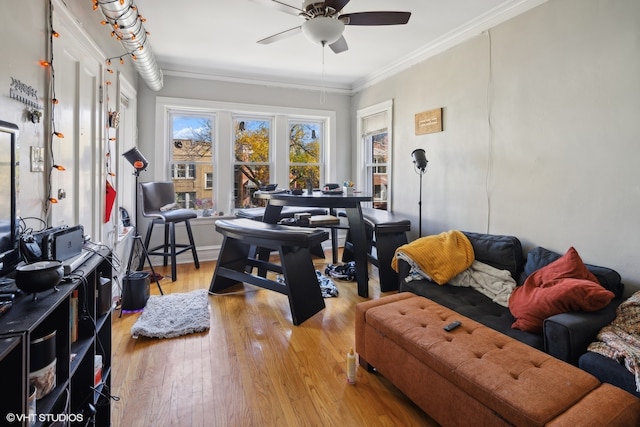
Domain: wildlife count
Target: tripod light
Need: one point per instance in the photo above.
(139, 163)
(420, 165)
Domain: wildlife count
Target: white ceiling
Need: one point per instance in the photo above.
(218, 38)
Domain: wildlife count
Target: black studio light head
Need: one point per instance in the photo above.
(419, 159)
(137, 160)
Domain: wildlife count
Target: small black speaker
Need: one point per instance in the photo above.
(103, 304)
(135, 290)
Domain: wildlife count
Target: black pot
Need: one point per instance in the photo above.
(39, 276)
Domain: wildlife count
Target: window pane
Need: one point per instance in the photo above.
(377, 149)
(252, 140)
(192, 160)
(246, 181)
(380, 148)
(299, 175)
(305, 141)
(252, 154)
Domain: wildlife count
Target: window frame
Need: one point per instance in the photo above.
(222, 114)
(361, 154)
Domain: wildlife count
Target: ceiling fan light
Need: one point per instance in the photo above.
(322, 29)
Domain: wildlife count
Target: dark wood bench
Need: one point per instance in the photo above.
(257, 214)
(385, 233)
(236, 264)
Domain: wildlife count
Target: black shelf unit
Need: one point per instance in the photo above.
(76, 392)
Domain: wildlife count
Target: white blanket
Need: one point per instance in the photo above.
(490, 281)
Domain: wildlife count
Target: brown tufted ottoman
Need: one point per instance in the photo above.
(475, 374)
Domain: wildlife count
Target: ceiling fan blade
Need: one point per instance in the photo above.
(338, 5)
(375, 18)
(281, 6)
(281, 35)
(339, 45)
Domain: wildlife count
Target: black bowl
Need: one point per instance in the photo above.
(268, 187)
(39, 276)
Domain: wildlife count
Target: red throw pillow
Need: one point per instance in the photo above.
(562, 286)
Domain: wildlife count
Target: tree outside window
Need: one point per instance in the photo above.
(304, 154)
(252, 152)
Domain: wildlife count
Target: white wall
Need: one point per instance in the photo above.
(541, 130)
(22, 25)
(24, 29)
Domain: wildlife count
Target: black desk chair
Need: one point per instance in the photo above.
(158, 201)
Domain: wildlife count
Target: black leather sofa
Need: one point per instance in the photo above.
(565, 336)
(608, 371)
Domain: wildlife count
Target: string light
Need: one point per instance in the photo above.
(45, 64)
(119, 33)
(59, 167)
(58, 134)
(53, 200)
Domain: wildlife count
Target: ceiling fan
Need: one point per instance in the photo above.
(324, 24)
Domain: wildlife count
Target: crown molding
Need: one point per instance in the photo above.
(264, 80)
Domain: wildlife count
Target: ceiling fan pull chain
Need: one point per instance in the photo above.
(323, 93)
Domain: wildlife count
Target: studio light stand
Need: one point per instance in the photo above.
(139, 164)
(420, 165)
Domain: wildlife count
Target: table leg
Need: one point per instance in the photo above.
(359, 240)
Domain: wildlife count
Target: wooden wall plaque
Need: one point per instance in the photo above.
(429, 121)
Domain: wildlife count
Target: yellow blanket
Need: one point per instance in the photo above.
(441, 256)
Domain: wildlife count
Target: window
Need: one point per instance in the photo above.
(186, 199)
(252, 151)
(192, 159)
(219, 153)
(374, 125)
(183, 171)
(208, 180)
(305, 153)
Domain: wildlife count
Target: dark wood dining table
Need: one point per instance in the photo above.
(319, 199)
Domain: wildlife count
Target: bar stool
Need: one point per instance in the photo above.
(158, 201)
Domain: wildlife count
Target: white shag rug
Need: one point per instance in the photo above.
(173, 315)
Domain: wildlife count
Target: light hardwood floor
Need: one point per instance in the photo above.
(253, 367)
